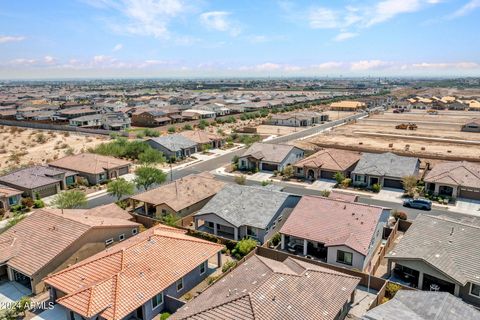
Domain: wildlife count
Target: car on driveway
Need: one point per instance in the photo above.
(423, 204)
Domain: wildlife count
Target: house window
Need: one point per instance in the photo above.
(475, 290)
(121, 237)
(251, 231)
(180, 284)
(203, 267)
(109, 241)
(344, 257)
(157, 300)
(134, 231)
(210, 224)
(164, 211)
(359, 178)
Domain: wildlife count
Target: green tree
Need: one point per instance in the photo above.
(148, 176)
(22, 305)
(151, 156)
(288, 172)
(70, 199)
(410, 185)
(339, 177)
(203, 124)
(243, 247)
(187, 127)
(120, 188)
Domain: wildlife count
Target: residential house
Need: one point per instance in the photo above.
(204, 138)
(179, 198)
(385, 169)
(298, 119)
(269, 157)
(338, 195)
(325, 163)
(152, 117)
(93, 167)
(174, 146)
(71, 113)
(262, 288)
(218, 108)
(49, 240)
(9, 197)
(138, 278)
(339, 232)
(237, 212)
(472, 125)
(193, 114)
(423, 305)
(459, 179)
(439, 253)
(347, 106)
(39, 180)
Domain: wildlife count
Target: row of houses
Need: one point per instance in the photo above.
(454, 179)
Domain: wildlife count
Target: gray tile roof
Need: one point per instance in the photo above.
(423, 305)
(268, 151)
(386, 164)
(34, 177)
(262, 288)
(242, 205)
(174, 142)
(449, 245)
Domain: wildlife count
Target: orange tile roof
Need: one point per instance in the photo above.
(33, 242)
(115, 282)
(89, 163)
(8, 192)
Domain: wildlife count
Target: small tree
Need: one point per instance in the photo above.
(339, 177)
(288, 172)
(325, 193)
(70, 199)
(410, 185)
(243, 247)
(147, 176)
(120, 188)
(27, 202)
(151, 156)
(23, 305)
(203, 124)
(187, 127)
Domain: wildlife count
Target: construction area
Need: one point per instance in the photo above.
(416, 133)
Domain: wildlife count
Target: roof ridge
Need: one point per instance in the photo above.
(448, 219)
(115, 291)
(191, 238)
(345, 201)
(245, 295)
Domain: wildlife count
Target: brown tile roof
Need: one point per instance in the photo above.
(268, 151)
(183, 192)
(334, 222)
(115, 282)
(330, 159)
(33, 242)
(200, 137)
(262, 288)
(89, 163)
(350, 197)
(459, 173)
(8, 192)
(106, 211)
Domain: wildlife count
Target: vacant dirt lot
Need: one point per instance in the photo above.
(437, 135)
(20, 146)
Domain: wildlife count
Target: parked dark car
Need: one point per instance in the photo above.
(423, 204)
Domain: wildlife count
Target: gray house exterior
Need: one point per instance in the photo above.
(440, 254)
(269, 157)
(238, 212)
(174, 145)
(385, 169)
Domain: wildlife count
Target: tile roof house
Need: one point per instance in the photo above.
(174, 145)
(422, 305)
(9, 197)
(298, 119)
(180, 198)
(339, 232)
(239, 211)
(459, 179)
(48, 240)
(41, 180)
(93, 167)
(204, 138)
(325, 163)
(269, 156)
(347, 105)
(386, 169)
(261, 288)
(440, 253)
(140, 277)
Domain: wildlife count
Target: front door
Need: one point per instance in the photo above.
(373, 181)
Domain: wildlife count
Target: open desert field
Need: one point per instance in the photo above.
(21, 146)
(437, 136)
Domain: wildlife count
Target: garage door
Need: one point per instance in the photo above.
(392, 183)
(269, 167)
(469, 193)
(48, 191)
(327, 174)
(123, 171)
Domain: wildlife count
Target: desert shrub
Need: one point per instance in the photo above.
(240, 179)
(392, 289)
(346, 183)
(376, 187)
(164, 316)
(243, 247)
(40, 138)
(171, 130)
(211, 279)
(27, 202)
(325, 193)
(228, 265)
(187, 127)
(339, 177)
(399, 215)
(276, 239)
(38, 204)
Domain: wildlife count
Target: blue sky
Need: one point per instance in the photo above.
(201, 38)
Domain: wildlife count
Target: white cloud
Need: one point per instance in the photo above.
(5, 39)
(267, 66)
(49, 60)
(100, 59)
(387, 9)
(466, 9)
(365, 65)
(117, 47)
(323, 18)
(329, 65)
(345, 36)
(220, 21)
(446, 65)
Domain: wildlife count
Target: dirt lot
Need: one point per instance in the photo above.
(20, 146)
(439, 92)
(378, 132)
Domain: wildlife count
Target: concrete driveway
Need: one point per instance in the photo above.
(12, 291)
(260, 176)
(388, 194)
(57, 313)
(467, 206)
(322, 184)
